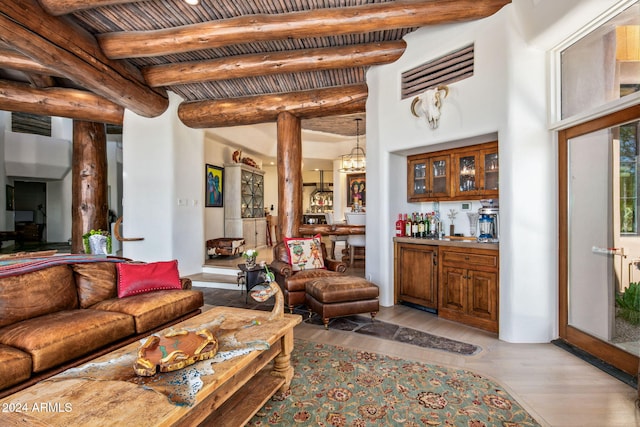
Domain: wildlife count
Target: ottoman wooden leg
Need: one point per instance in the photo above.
(373, 315)
(325, 320)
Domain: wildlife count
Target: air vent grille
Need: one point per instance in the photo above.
(445, 70)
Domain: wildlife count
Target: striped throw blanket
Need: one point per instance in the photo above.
(14, 267)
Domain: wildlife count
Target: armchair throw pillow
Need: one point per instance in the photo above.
(305, 253)
(134, 279)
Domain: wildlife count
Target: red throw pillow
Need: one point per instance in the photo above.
(134, 279)
(305, 253)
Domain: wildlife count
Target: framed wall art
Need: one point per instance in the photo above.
(213, 188)
(357, 189)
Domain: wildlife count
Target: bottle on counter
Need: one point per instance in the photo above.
(399, 226)
(425, 233)
(407, 225)
(421, 226)
(414, 225)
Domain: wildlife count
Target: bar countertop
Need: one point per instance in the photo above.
(447, 242)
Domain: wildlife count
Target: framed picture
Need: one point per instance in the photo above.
(357, 189)
(213, 187)
(10, 197)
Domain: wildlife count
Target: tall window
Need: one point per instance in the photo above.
(602, 66)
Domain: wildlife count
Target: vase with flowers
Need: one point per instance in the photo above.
(250, 256)
(97, 242)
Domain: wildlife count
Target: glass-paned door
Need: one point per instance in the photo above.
(440, 175)
(418, 177)
(600, 283)
(467, 178)
(491, 172)
(246, 194)
(258, 196)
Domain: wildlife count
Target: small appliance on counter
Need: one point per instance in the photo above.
(488, 221)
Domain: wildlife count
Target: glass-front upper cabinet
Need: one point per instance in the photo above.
(439, 174)
(466, 174)
(477, 171)
(417, 179)
(429, 177)
(490, 172)
(251, 194)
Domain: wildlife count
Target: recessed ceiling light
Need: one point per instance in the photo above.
(192, 2)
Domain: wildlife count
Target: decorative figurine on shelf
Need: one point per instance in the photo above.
(237, 155)
(250, 256)
(452, 216)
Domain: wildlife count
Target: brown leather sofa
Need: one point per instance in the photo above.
(60, 316)
(292, 283)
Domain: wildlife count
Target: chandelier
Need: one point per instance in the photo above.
(356, 160)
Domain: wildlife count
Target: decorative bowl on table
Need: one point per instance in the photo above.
(173, 351)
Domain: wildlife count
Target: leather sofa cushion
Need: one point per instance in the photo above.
(37, 293)
(15, 366)
(96, 281)
(154, 308)
(297, 281)
(59, 337)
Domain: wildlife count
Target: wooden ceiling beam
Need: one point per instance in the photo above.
(70, 103)
(58, 44)
(250, 110)
(261, 64)
(63, 7)
(297, 25)
(41, 81)
(15, 60)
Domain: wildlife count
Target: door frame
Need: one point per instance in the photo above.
(605, 351)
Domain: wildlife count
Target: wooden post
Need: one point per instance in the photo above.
(89, 181)
(289, 154)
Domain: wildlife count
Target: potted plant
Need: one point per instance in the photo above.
(250, 256)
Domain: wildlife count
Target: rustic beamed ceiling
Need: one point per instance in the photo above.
(234, 62)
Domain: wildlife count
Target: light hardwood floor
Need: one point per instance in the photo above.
(556, 387)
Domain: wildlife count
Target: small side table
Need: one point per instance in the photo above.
(251, 277)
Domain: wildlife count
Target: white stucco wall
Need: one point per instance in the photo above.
(163, 189)
(509, 95)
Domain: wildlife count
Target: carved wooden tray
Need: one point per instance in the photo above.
(174, 351)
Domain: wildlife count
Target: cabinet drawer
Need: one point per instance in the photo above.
(469, 259)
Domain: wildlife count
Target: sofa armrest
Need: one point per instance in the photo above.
(281, 268)
(185, 282)
(335, 265)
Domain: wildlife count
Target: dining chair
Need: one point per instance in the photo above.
(330, 219)
(355, 240)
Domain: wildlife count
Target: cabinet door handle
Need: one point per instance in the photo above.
(466, 258)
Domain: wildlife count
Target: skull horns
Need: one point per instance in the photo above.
(429, 103)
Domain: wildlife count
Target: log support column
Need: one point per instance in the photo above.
(89, 204)
(289, 154)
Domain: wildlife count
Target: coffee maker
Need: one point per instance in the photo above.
(488, 221)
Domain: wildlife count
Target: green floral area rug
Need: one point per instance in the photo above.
(336, 386)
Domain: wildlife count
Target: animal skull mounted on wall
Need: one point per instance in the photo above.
(429, 103)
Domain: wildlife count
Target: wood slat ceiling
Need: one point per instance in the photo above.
(217, 55)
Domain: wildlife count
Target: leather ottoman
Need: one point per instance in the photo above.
(341, 296)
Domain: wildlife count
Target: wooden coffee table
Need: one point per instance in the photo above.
(229, 396)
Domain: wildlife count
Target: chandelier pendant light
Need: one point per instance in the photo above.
(355, 161)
